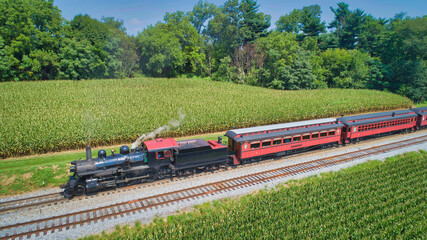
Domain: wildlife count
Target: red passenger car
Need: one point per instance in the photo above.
(280, 139)
(374, 124)
(422, 116)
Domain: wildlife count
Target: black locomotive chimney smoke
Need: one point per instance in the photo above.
(88, 153)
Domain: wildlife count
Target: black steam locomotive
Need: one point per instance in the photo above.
(154, 159)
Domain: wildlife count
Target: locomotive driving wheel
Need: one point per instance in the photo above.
(80, 190)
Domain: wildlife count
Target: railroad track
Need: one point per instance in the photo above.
(30, 201)
(57, 198)
(67, 221)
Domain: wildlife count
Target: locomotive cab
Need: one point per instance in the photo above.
(160, 155)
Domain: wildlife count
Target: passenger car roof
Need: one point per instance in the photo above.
(233, 133)
(420, 110)
(280, 134)
(369, 116)
(375, 120)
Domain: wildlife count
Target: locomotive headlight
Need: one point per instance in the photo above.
(72, 168)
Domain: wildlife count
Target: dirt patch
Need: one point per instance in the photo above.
(55, 168)
(8, 181)
(60, 176)
(27, 176)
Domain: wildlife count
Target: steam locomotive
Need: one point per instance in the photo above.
(167, 157)
(152, 160)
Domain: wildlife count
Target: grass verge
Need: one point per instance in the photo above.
(372, 200)
(423, 104)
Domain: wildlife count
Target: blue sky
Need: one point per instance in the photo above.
(137, 14)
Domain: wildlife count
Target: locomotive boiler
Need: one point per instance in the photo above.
(106, 171)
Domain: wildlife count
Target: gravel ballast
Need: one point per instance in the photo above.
(149, 214)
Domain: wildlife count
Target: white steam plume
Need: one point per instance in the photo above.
(172, 123)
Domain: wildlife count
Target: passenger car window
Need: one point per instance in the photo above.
(255, 145)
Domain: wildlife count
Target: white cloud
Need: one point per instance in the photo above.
(135, 22)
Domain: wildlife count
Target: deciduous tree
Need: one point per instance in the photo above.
(304, 22)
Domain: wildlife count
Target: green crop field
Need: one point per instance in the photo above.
(48, 116)
(374, 200)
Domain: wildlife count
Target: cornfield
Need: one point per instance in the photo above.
(40, 117)
(375, 201)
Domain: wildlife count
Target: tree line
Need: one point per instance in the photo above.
(232, 42)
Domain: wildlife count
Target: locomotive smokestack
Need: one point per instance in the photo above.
(88, 153)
